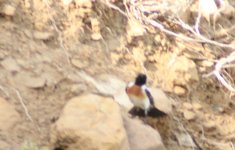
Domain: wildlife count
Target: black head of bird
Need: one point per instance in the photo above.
(140, 79)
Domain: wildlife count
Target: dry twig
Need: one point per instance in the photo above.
(23, 105)
(60, 37)
(133, 8)
(219, 66)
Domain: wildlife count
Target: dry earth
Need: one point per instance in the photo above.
(46, 47)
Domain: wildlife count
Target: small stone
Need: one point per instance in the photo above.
(218, 108)
(10, 64)
(78, 88)
(157, 39)
(8, 10)
(197, 106)
(95, 25)
(189, 115)
(179, 90)
(27, 79)
(42, 35)
(185, 139)
(96, 36)
(66, 2)
(135, 28)
(187, 106)
(27, 4)
(209, 125)
(206, 63)
(79, 64)
(202, 69)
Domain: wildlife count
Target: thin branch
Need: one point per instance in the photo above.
(59, 32)
(23, 105)
(25, 108)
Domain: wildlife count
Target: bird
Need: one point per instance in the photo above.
(141, 97)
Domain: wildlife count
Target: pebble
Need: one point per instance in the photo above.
(8, 10)
(188, 106)
(206, 63)
(96, 36)
(197, 106)
(179, 90)
(42, 35)
(79, 64)
(189, 115)
(66, 2)
(209, 125)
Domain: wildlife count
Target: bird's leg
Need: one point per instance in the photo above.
(146, 112)
(145, 115)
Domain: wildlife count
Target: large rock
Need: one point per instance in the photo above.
(89, 122)
(110, 85)
(161, 100)
(141, 136)
(9, 116)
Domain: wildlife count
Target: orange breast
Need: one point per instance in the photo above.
(136, 91)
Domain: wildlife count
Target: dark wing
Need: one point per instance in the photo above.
(150, 97)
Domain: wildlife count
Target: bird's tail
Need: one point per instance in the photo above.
(152, 112)
(155, 112)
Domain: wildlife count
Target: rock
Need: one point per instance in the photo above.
(141, 136)
(135, 28)
(95, 27)
(179, 90)
(10, 64)
(79, 64)
(90, 122)
(209, 125)
(202, 69)
(217, 108)
(110, 85)
(8, 10)
(197, 106)
(78, 88)
(30, 80)
(66, 2)
(189, 115)
(9, 116)
(42, 35)
(187, 106)
(157, 39)
(96, 36)
(161, 100)
(206, 63)
(184, 139)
